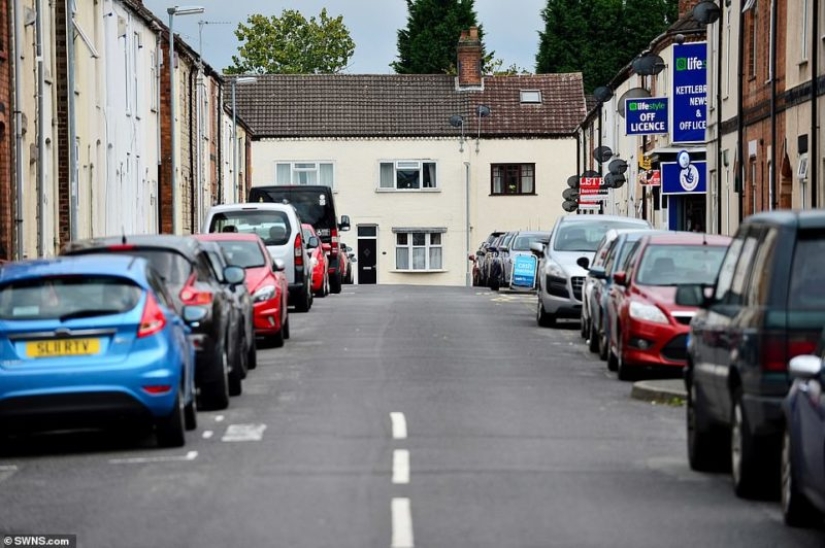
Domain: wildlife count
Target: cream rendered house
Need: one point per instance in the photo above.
(425, 166)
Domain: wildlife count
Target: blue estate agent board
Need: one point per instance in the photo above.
(690, 92)
(524, 271)
(646, 116)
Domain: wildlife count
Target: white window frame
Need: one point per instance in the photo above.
(297, 167)
(428, 246)
(803, 52)
(407, 165)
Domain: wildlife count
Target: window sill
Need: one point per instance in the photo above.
(524, 194)
(407, 190)
(802, 64)
(418, 271)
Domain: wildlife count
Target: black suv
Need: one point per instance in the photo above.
(767, 306)
(188, 273)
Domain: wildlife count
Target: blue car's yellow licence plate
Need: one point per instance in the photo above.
(62, 347)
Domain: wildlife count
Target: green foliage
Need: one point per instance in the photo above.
(428, 44)
(291, 44)
(599, 37)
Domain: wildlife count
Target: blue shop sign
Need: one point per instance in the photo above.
(684, 176)
(524, 271)
(690, 92)
(647, 116)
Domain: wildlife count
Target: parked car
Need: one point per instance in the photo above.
(244, 351)
(91, 341)
(496, 261)
(594, 268)
(265, 281)
(766, 307)
(802, 461)
(351, 260)
(188, 273)
(480, 258)
(560, 278)
(647, 329)
(344, 262)
(279, 226)
(318, 261)
(315, 205)
(520, 246)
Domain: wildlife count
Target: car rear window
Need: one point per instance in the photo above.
(314, 206)
(245, 254)
(67, 297)
(680, 264)
(586, 236)
(173, 267)
(808, 271)
(271, 226)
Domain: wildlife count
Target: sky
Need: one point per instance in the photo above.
(510, 27)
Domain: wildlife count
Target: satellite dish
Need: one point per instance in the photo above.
(483, 110)
(632, 93)
(602, 154)
(591, 173)
(617, 166)
(570, 206)
(456, 120)
(607, 181)
(706, 12)
(648, 65)
(602, 94)
(570, 194)
(573, 181)
(614, 180)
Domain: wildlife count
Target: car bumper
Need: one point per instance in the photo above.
(267, 317)
(562, 296)
(648, 344)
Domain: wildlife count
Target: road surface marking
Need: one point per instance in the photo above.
(401, 466)
(191, 455)
(244, 432)
(399, 425)
(219, 418)
(208, 434)
(402, 531)
(7, 471)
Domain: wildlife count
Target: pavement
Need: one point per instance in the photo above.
(660, 391)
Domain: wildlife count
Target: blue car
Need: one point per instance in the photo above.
(94, 341)
(803, 443)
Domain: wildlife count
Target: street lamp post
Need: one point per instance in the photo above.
(173, 11)
(241, 80)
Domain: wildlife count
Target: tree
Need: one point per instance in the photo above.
(599, 37)
(428, 44)
(290, 44)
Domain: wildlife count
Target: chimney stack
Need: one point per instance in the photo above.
(469, 58)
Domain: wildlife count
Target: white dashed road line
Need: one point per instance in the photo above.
(401, 466)
(7, 471)
(208, 434)
(244, 432)
(399, 425)
(191, 455)
(402, 532)
(219, 418)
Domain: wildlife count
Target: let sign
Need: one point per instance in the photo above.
(590, 190)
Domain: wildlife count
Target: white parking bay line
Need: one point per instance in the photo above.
(191, 455)
(401, 466)
(244, 432)
(399, 425)
(7, 471)
(402, 531)
(207, 434)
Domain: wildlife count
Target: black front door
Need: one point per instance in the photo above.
(367, 255)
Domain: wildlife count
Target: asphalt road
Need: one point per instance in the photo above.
(400, 416)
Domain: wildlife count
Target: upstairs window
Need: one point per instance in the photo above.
(305, 173)
(510, 179)
(408, 175)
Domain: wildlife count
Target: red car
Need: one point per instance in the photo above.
(265, 281)
(319, 262)
(647, 328)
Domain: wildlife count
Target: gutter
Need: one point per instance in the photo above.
(17, 13)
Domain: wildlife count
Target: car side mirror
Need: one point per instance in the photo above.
(597, 273)
(696, 295)
(353, 260)
(620, 278)
(278, 265)
(326, 247)
(537, 249)
(344, 224)
(313, 242)
(583, 262)
(504, 248)
(805, 367)
(234, 275)
(193, 315)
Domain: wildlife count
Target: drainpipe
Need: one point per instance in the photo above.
(219, 107)
(719, 125)
(601, 168)
(41, 122)
(740, 121)
(813, 150)
(18, 130)
(193, 79)
(158, 60)
(72, 128)
(772, 186)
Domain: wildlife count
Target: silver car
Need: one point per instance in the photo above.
(561, 274)
(520, 245)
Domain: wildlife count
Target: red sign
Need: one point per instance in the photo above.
(655, 178)
(590, 190)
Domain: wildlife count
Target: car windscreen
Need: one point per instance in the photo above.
(522, 243)
(314, 206)
(67, 297)
(272, 226)
(680, 264)
(581, 236)
(807, 271)
(173, 267)
(245, 254)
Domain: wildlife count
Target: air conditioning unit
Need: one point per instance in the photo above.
(802, 168)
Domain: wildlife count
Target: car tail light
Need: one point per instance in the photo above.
(153, 319)
(334, 233)
(299, 252)
(121, 247)
(192, 296)
(157, 389)
(777, 350)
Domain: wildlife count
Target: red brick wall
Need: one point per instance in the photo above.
(469, 58)
(165, 177)
(7, 202)
(62, 134)
(213, 121)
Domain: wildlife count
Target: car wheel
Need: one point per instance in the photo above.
(495, 285)
(215, 395)
(593, 343)
(252, 354)
(302, 300)
(796, 509)
(277, 340)
(706, 450)
(584, 327)
(285, 328)
(622, 371)
(190, 415)
(169, 429)
(542, 317)
(746, 463)
(236, 381)
(335, 283)
(603, 347)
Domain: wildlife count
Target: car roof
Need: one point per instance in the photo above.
(115, 265)
(252, 206)
(601, 218)
(183, 245)
(687, 238)
(808, 218)
(226, 236)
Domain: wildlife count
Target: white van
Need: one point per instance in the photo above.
(279, 226)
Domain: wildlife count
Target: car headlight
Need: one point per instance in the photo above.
(263, 294)
(647, 313)
(552, 268)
